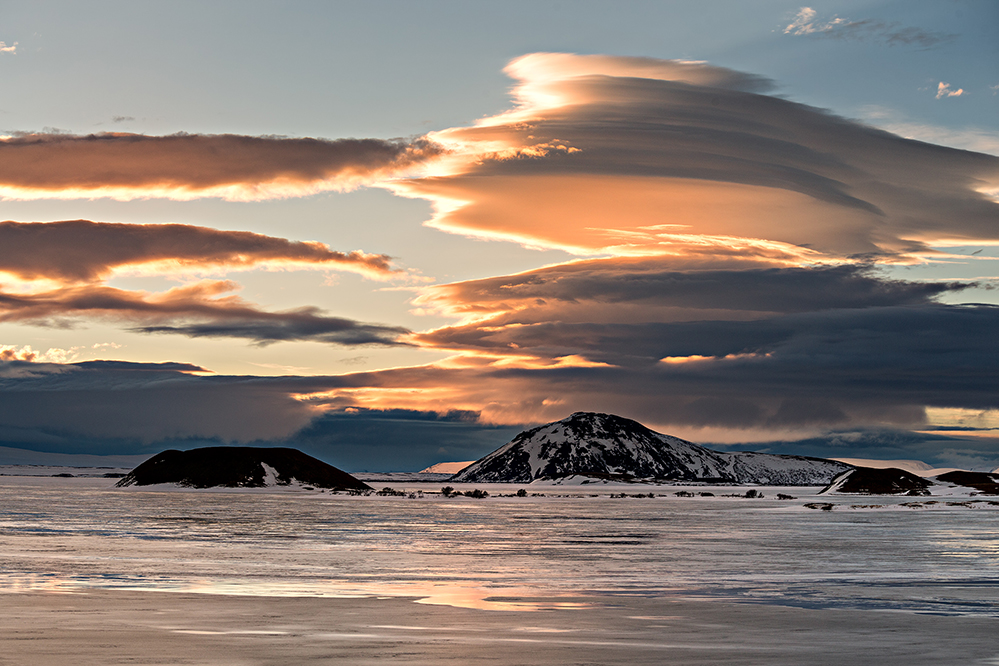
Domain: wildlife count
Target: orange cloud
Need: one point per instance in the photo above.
(631, 156)
(944, 90)
(188, 166)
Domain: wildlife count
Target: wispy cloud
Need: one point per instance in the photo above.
(944, 90)
(57, 276)
(967, 138)
(188, 166)
(8, 49)
(806, 22)
(208, 308)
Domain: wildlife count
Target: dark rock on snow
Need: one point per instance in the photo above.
(239, 467)
(983, 482)
(870, 481)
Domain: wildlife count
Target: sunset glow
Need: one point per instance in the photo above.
(709, 242)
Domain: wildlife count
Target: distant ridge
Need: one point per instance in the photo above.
(239, 467)
(446, 467)
(612, 447)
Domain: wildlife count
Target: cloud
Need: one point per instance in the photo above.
(123, 407)
(119, 407)
(8, 49)
(814, 371)
(85, 251)
(77, 257)
(187, 166)
(667, 289)
(52, 355)
(204, 309)
(806, 23)
(976, 453)
(944, 90)
(369, 440)
(671, 156)
(968, 138)
(728, 289)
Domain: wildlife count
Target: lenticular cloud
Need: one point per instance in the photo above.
(636, 156)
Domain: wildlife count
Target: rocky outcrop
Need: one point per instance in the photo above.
(870, 481)
(983, 482)
(239, 467)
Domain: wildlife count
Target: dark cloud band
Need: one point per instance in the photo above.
(203, 309)
(81, 250)
(116, 163)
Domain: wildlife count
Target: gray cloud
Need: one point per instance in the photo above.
(123, 408)
(299, 325)
(81, 250)
(674, 283)
(203, 309)
(890, 33)
(195, 164)
(128, 405)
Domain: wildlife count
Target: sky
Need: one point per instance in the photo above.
(392, 234)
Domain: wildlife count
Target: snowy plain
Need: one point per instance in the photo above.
(569, 574)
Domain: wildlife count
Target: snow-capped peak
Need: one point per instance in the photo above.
(609, 446)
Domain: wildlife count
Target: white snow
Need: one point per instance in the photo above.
(917, 467)
(270, 475)
(446, 467)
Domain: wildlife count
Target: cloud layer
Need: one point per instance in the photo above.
(204, 309)
(729, 286)
(629, 156)
(58, 274)
(85, 251)
(187, 166)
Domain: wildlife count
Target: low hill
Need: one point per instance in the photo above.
(871, 481)
(612, 447)
(239, 467)
(983, 482)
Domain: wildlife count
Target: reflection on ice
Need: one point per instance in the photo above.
(459, 595)
(511, 555)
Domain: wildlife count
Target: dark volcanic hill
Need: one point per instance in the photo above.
(239, 467)
(983, 482)
(870, 481)
(608, 446)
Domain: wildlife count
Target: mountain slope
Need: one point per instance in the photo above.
(604, 445)
(239, 467)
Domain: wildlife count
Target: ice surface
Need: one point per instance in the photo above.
(776, 579)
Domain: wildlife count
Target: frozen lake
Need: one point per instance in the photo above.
(565, 559)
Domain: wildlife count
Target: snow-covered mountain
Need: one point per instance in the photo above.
(604, 445)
